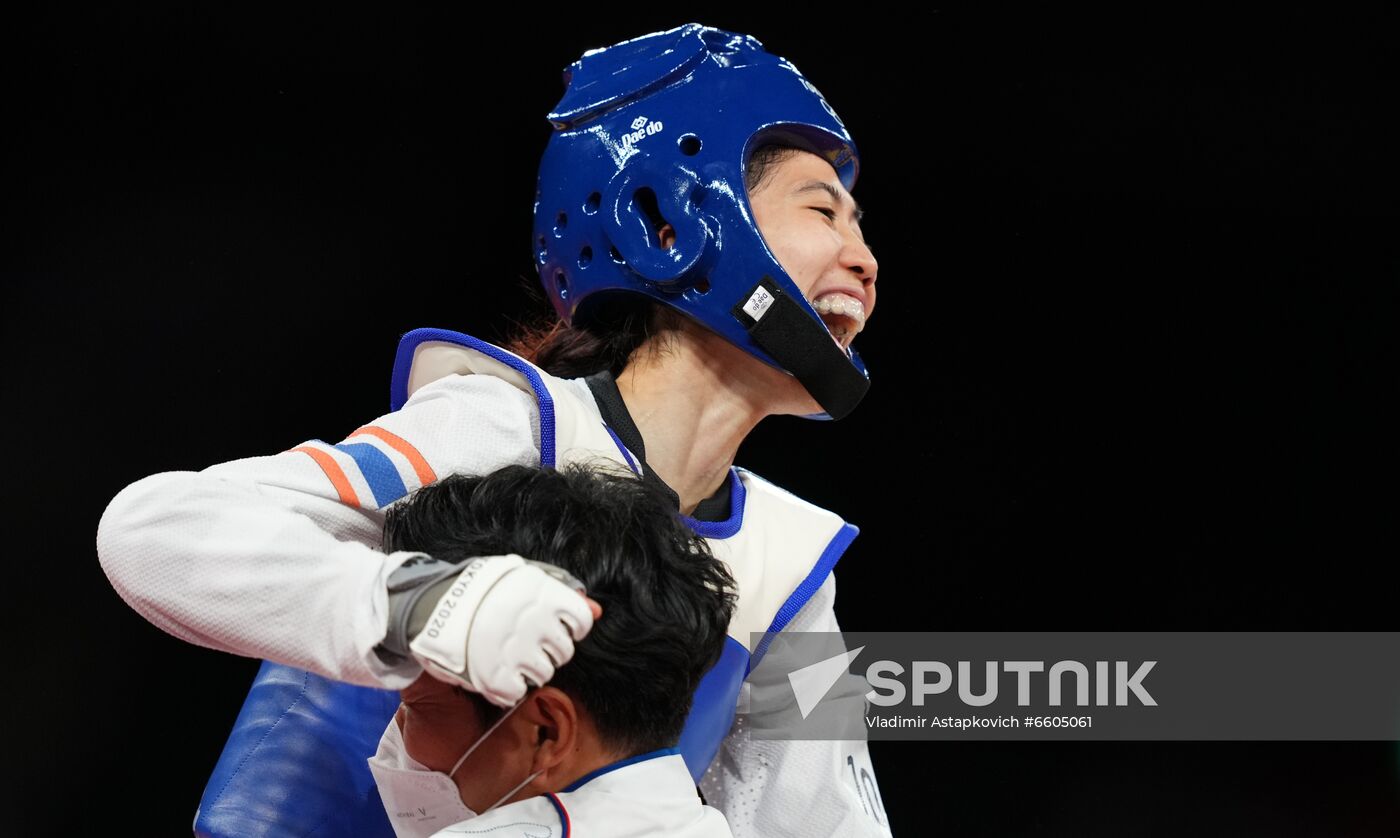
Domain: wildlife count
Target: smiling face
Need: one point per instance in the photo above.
(812, 226)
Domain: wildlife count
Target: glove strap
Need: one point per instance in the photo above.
(408, 584)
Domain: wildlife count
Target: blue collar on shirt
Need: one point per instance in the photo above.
(622, 763)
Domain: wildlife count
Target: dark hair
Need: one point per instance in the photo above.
(605, 340)
(666, 600)
(616, 326)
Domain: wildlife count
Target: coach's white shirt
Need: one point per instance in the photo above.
(647, 795)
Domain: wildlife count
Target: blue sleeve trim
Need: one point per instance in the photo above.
(379, 472)
(403, 362)
(622, 763)
(807, 588)
(724, 529)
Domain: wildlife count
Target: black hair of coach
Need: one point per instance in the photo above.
(1132, 370)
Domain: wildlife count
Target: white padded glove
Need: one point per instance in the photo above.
(503, 625)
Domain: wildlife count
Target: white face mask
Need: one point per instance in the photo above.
(419, 800)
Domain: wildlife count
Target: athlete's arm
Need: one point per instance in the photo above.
(807, 788)
(275, 557)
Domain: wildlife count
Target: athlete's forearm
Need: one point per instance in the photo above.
(214, 561)
(276, 557)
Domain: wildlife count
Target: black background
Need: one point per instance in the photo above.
(1133, 356)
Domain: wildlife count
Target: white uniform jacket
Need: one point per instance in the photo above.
(276, 557)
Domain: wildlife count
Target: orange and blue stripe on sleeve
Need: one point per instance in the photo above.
(381, 467)
(383, 479)
(333, 472)
(421, 469)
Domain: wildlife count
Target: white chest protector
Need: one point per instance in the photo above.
(778, 547)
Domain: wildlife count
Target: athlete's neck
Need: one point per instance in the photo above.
(694, 401)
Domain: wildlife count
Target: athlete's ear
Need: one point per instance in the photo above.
(555, 719)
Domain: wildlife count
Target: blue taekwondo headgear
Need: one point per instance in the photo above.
(663, 125)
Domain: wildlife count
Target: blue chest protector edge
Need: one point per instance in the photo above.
(295, 762)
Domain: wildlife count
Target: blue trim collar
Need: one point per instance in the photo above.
(403, 364)
(622, 763)
(724, 529)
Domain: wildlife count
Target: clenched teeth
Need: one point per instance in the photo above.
(844, 316)
(837, 303)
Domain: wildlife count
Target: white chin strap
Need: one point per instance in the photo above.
(482, 738)
(523, 783)
(508, 795)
